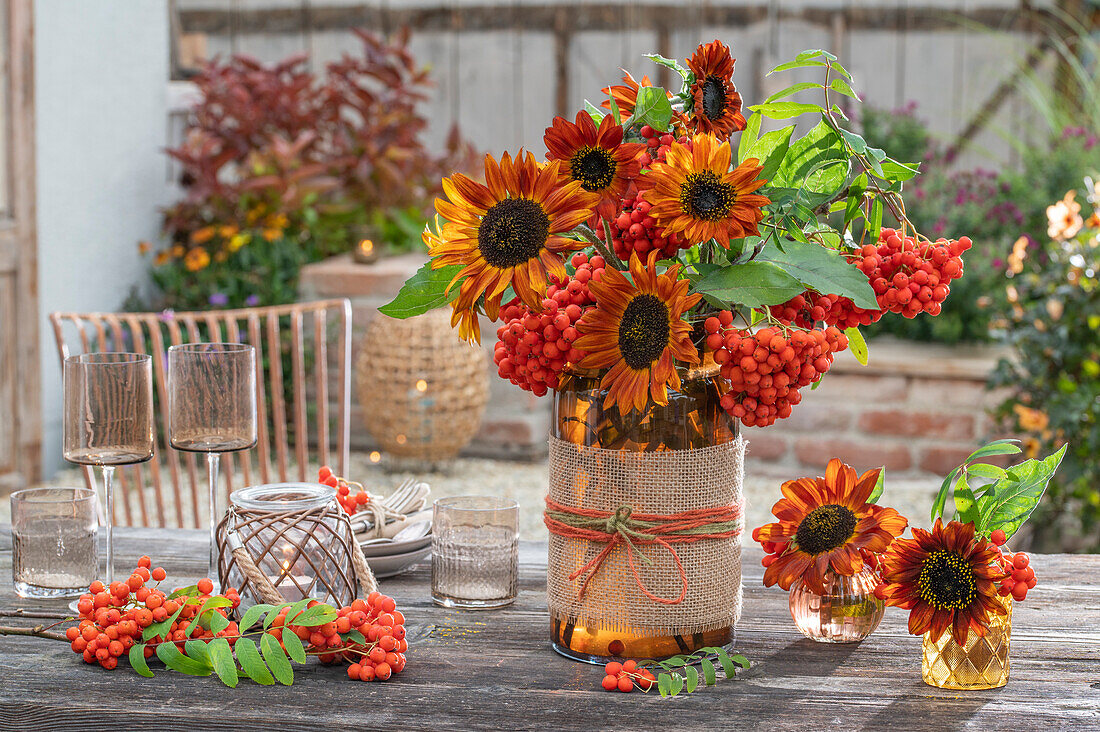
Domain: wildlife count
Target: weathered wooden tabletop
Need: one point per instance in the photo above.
(495, 669)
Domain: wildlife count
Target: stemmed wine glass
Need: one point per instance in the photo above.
(108, 419)
(212, 408)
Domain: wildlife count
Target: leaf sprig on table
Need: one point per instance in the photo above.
(673, 675)
(1006, 501)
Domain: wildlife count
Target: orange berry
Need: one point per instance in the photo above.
(96, 587)
(610, 683)
(159, 574)
(353, 672)
(625, 684)
(630, 665)
(205, 586)
(377, 654)
(613, 668)
(145, 561)
(366, 672)
(382, 670)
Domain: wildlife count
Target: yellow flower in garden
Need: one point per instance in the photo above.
(178, 250)
(1064, 217)
(507, 232)
(162, 258)
(278, 221)
(1031, 448)
(227, 231)
(271, 234)
(638, 333)
(238, 241)
(1030, 419)
(144, 247)
(695, 193)
(203, 235)
(196, 259)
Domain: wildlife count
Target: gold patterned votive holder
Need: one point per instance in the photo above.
(980, 664)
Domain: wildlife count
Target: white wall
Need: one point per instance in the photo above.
(101, 72)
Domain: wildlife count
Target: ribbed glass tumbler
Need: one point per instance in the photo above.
(980, 664)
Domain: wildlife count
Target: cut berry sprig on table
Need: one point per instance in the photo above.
(673, 675)
(350, 502)
(191, 632)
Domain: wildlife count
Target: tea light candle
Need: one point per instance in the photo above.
(366, 252)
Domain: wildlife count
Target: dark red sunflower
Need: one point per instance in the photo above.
(824, 523)
(716, 104)
(595, 157)
(947, 579)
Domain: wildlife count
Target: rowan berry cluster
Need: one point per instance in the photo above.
(634, 230)
(625, 676)
(350, 502)
(532, 348)
(810, 308)
(1021, 575)
(766, 368)
(911, 277)
(112, 619)
(658, 144)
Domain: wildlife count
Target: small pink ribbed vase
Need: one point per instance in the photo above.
(847, 613)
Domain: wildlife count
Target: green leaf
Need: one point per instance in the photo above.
(354, 636)
(844, 88)
(740, 660)
(316, 615)
(1008, 505)
(596, 113)
(874, 224)
(188, 591)
(966, 505)
(709, 675)
(175, 660)
(748, 137)
(880, 485)
(162, 627)
(793, 89)
(218, 622)
(692, 680)
(616, 115)
(664, 684)
(941, 496)
(795, 65)
(727, 664)
(857, 143)
(203, 615)
(814, 53)
(652, 108)
(754, 284)
(785, 110)
(856, 344)
(196, 649)
(770, 150)
(252, 614)
(296, 650)
(137, 660)
(668, 63)
(426, 290)
(985, 470)
(292, 613)
(221, 655)
(251, 663)
(276, 659)
(823, 270)
(677, 684)
(1006, 446)
(894, 171)
(812, 161)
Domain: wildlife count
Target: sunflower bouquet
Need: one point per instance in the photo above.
(667, 228)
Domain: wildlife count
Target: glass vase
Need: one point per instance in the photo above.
(982, 663)
(848, 612)
(693, 418)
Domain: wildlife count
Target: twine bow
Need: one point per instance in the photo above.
(624, 526)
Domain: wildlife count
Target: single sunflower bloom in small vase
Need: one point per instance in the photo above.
(824, 524)
(506, 232)
(694, 192)
(716, 104)
(947, 579)
(638, 333)
(595, 157)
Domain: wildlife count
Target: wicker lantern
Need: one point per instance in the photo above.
(421, 388)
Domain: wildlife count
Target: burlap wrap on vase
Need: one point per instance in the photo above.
(660, 482)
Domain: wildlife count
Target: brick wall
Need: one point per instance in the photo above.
(918, 409)
(915, 408)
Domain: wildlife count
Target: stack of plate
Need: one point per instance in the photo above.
(407, 536)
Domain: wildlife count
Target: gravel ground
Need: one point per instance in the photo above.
(525, 482)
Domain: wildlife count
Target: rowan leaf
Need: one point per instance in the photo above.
(294, 647)
(221, 655)
(276, 659)
(137, 660)
(175, 660)
(251, 663)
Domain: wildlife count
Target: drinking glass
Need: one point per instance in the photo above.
(475, 551)
(108, 419)
(212, 409)
(53, 531)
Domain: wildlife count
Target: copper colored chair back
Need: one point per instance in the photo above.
(303, 398)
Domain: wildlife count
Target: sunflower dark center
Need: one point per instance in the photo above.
(594, 167)
(703, 195)
(714, 98)
(512, 232)
(643, 331)
(947, 581)
(825, 528)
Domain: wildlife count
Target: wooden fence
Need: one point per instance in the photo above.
(504, 68)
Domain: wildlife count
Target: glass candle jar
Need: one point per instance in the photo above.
(298, 538)
(848, 612)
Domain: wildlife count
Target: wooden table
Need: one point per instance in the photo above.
(495, 669)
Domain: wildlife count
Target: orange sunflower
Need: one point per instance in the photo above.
(696, 194)
(506, 232)
(597, 158)
(824, 523)
(716, 104)
(626, 94)
(638, 333)
(946, 578)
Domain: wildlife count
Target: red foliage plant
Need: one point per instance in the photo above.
(274, 139)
